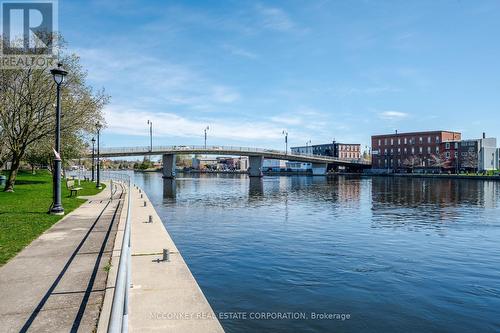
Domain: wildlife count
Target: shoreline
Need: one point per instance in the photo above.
(160, 289)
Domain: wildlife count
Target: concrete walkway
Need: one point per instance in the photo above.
(57, 283)
(165, 296)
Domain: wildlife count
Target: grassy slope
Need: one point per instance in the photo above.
(23, 213)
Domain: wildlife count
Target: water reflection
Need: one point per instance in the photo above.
(169, 188)
(428, 203)
(255, 188)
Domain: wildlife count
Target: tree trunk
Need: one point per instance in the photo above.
(16, 162)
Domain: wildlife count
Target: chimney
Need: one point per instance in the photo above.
(396, 131)
(484, 135)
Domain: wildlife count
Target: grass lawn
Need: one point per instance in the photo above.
(23, 213)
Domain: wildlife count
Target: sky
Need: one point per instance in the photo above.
(322, 70)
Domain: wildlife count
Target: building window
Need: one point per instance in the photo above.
(406, 150)
(447, 154)
(456, 154)
(385, 151)
(392, 150)
(428, 149)
(428, 139)
(399, 141)
(412, 150)
(379, 142)
(420, 149)
(437, 150)
(406, 141)
(447, 145)
(420, 139)
(437, 139)
(392, 142)
(399, 150)
(456, 145)
(385, 141)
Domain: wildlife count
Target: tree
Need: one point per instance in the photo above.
(27, 114)
(412, 161)
(440, 161)
(470, 161)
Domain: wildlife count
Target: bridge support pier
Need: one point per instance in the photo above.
(319, 169)
(169, 166)
(255, 166)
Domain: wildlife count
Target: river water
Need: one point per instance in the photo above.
(371, 254)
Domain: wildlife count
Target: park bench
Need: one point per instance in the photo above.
(70, 184)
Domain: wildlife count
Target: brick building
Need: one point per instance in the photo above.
(414, 151)
(334, 149)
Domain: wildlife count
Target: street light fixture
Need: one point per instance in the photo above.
(98, 127)
(206, 129)
(307, 147)
(57, 209)
(285, 133)
(93, 158)
(150, 123)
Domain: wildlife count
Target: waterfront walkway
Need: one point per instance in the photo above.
(165, 297)
(57, 283)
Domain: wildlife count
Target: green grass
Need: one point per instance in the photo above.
(23, 213)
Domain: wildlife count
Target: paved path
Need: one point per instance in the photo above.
(57, 283)
(165, 296)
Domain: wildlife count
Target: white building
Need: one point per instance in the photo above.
(298, 166)
(273, 165)
(488, 154)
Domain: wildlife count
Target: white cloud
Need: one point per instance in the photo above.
(274, 18)
(237, 51)
(392, 115)
(131, 121)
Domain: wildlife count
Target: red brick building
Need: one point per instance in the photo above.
(414, 151)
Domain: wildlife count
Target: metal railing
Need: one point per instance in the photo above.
(118, 320)
(224, 149)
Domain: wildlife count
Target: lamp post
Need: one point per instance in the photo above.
(285, 133)
(98, 127)
(93, 158)
(150, 123)
(57, 209)
(307, 147)
(206, 129)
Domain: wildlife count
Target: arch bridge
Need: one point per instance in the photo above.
(256, 157)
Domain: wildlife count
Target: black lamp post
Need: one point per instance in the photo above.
(206, 129)
(150, 123)
(98, 127)
(285, 133)
(93, 158)
(57, 209)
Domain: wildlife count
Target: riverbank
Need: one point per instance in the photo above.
(24, 212)
(424, 175)
(165, 296)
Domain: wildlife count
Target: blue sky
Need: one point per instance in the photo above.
(323, 70)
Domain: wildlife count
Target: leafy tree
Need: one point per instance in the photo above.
(412, 161)
(27, 114)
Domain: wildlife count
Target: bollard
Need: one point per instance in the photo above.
(140, 191)
(166, 255)
(150, 219)
(145, 203)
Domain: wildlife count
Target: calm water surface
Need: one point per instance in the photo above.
(413, 255)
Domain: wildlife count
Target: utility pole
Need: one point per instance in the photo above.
(206, 129)
(285, 133)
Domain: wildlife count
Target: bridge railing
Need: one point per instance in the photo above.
(215, 149)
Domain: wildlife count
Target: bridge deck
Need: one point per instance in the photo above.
(228, 150)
